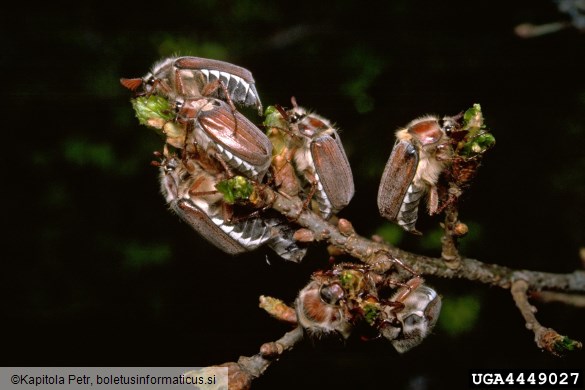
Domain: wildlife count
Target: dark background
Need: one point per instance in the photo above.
(96, 272)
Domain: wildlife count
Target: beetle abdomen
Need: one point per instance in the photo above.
(238, 81)
(239, 90)
(249, 232)
(408, 213)
(282, 241)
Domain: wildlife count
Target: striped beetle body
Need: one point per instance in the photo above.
(420, 154)
(322, 160)
(315, 148)
(320, 310)
(195, 77)
(408, 324)
(189, 188)
(229, 135)
(336, 301)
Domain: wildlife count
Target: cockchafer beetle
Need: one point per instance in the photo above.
(195, 77)
(228, 135)
(410, 315)
(189, 187)
(209, 124)
(321, 311)
(420, 154)
(322, 160)
(335, 301)
(319, 157)
(283, 174)
(329, 305)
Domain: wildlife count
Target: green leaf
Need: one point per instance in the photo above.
(473, 117)
(477, 145)
(236, 189)
(566, 344)
(275, 125)
(477, 140)
(371, 312)
(273, 118)
(152, 111)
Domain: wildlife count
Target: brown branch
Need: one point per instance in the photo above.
(278, 309)
(545, 338)
(449, 252)
(248, 368)
(553, 296)
(528, 30)
(382, 256)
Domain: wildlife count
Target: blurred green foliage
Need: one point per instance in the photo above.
(468, 244)
(170, 45)
(459, 314)
(366, 66)
(137, 255)
(390, 232)
(431, 240)
(84, 153)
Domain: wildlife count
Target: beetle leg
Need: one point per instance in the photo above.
(228, 213)
(188, 131)
(397, 302)
(368, 338)
(403, 265)
(392, 282)
(179, 82)
(160, 161)
(223, 164)
(396, 306)
(433, 200)
(407, 288)
(193, 192)
(214, 86)
(235, 219)
(311, 179)
(285, 180)
(284, 175)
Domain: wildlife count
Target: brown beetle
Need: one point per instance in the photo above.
(410, 315)
(229, 135)
(418, 158)
(320, 311)
(337, 300)
(322, 160)
(189, 188)
(195, 77)
(318, 155)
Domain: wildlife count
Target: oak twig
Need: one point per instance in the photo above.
(248, 368)
(545, 338)
(381, 257)
(553, 296)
